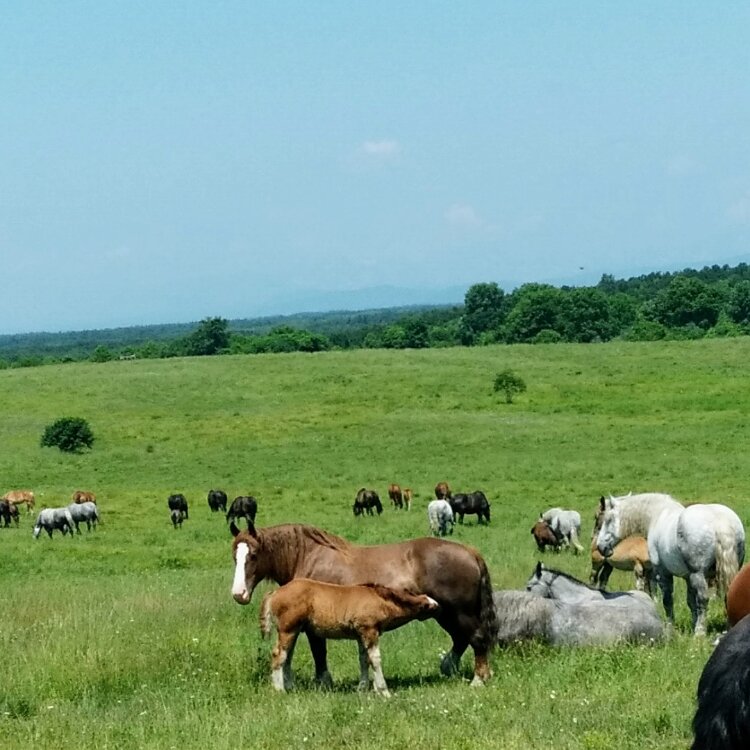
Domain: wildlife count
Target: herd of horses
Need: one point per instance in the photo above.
(331, 588)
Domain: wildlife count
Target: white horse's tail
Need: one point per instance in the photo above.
(729, 555)
(266, 616)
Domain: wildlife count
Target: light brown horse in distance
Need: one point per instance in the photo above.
(82, 496)
(408, 494)
(629, 554)
(454, 575)
(19, 497)
(331, 611)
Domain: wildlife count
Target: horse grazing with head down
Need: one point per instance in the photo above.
(365, 502)
(8, 513)
(396, 496)
(455, 576)
(19, 497)
(83, 496)
(332, 611)
(693, 542)
(544, 536)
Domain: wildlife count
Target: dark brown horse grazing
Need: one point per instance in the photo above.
(394, 493)
(738, 596)
(454, 575)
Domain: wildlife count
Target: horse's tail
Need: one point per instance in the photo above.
(730, 552)
(266, 616)
(489, 627)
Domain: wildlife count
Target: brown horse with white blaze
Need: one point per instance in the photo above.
(454, 575)
(331, 611)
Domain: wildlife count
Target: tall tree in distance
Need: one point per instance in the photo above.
(210, 337)
(484, 310)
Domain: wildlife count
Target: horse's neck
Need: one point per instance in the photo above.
(568, 589)
(645, 511)
(280, 555)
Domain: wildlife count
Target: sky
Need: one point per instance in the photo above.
(164, 162)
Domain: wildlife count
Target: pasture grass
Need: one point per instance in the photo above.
(128, 637)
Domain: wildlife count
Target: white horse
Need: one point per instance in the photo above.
(693, 543)
(440, 516)
(566, 525)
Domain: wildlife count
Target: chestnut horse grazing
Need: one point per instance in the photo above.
(83, 496)
(544, 536)
(396, 496)
(738, 596)
(333, 611)
(442, 491)
(455, 576)
(18, 497)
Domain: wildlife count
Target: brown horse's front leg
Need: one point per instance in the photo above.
(319, 650)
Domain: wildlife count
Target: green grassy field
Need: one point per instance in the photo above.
(128, 637)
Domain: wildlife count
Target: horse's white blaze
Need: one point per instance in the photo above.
(239, 587)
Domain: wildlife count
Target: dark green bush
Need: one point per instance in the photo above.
(69, 434)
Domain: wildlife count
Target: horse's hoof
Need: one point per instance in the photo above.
(325, 681)
(477, 681)
(449, 664)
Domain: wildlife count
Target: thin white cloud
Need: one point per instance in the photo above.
(384, 149)
(739, 211)
(682, 165)
(464, 216)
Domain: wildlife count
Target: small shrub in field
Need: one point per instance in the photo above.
(69, 434)
(510, 384)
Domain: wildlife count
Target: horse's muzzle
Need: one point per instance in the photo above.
(241, 597)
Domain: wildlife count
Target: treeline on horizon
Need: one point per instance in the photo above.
(689, 304)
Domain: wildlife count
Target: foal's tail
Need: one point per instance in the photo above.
(730, 552)
(266, 616)
(486, 636)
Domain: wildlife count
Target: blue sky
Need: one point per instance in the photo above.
(162, 162)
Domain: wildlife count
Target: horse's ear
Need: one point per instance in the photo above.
(251, 529)
(539, 569)
(233, 528)
(602, 503)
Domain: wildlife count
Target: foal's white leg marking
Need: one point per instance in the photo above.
(378, 681)
(364, 666)
(277, 675)
(239, 587)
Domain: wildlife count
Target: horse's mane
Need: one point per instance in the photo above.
(638, 509)
(570, 577)
(321, 537)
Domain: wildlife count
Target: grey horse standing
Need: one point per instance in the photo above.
(566, 525)
(440, 516)
(53, 518)
(84, 512)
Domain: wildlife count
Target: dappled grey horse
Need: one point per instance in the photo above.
(690, 542)
(556, 584)
(440, 516)
(50, 519)
(566, 525)
(525, 616)
(84, 512)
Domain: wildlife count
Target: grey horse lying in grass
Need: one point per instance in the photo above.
(582, 617)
